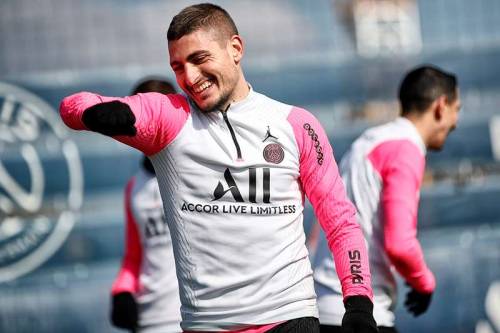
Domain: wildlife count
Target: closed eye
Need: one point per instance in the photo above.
(199, 57)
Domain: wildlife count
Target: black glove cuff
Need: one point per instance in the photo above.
(124, 311)
(110, 118)
(124, 297)
(358, 303)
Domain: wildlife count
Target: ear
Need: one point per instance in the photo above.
(439, 107)
(236, 48)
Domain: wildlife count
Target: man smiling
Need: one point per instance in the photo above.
(206, 58)
(237, 270)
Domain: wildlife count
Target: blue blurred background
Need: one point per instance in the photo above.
(61, 215)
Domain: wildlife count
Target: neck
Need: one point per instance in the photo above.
(421, 123)
(240, 92)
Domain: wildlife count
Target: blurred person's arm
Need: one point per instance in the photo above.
(148, 122)
(401, 165)
(124, 308)
(128, 277)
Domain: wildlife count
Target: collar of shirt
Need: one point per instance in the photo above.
(413, 132)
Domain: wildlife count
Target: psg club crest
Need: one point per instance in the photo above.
(41, 182)
(274, 153)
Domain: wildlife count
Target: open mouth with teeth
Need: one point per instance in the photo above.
(200, 88)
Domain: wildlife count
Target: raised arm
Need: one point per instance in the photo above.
(148, 122)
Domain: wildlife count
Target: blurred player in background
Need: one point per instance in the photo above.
(145, 293)
(233, 167)
(383, 172)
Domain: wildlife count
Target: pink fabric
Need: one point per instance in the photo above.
(159, 118)
(323, 186)
(252, 329)
(128, 277)
(401, 165)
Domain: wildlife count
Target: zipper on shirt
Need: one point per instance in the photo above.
(233, 135)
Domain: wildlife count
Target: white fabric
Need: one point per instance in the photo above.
(158, 297)
(269, 236)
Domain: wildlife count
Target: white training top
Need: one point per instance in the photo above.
(233, 186)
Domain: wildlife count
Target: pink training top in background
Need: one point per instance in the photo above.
(383, 173)
(128, 277)
(401, 165)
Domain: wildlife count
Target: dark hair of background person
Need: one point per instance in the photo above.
(423, 85)
(152, 85)
(202, 16)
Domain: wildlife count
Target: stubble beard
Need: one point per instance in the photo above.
(220, 104)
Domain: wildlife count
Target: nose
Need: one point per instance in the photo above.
(192, 74)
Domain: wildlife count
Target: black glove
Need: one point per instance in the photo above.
(124, 312)
(358, 317)
(110, 118)
(417, 302)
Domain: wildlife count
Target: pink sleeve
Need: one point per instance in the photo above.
(323, 186)
(401, 165)
(159, 118)
(128, 277)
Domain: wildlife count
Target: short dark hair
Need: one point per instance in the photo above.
(201, 16)
(154, 85)
(422, 85)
